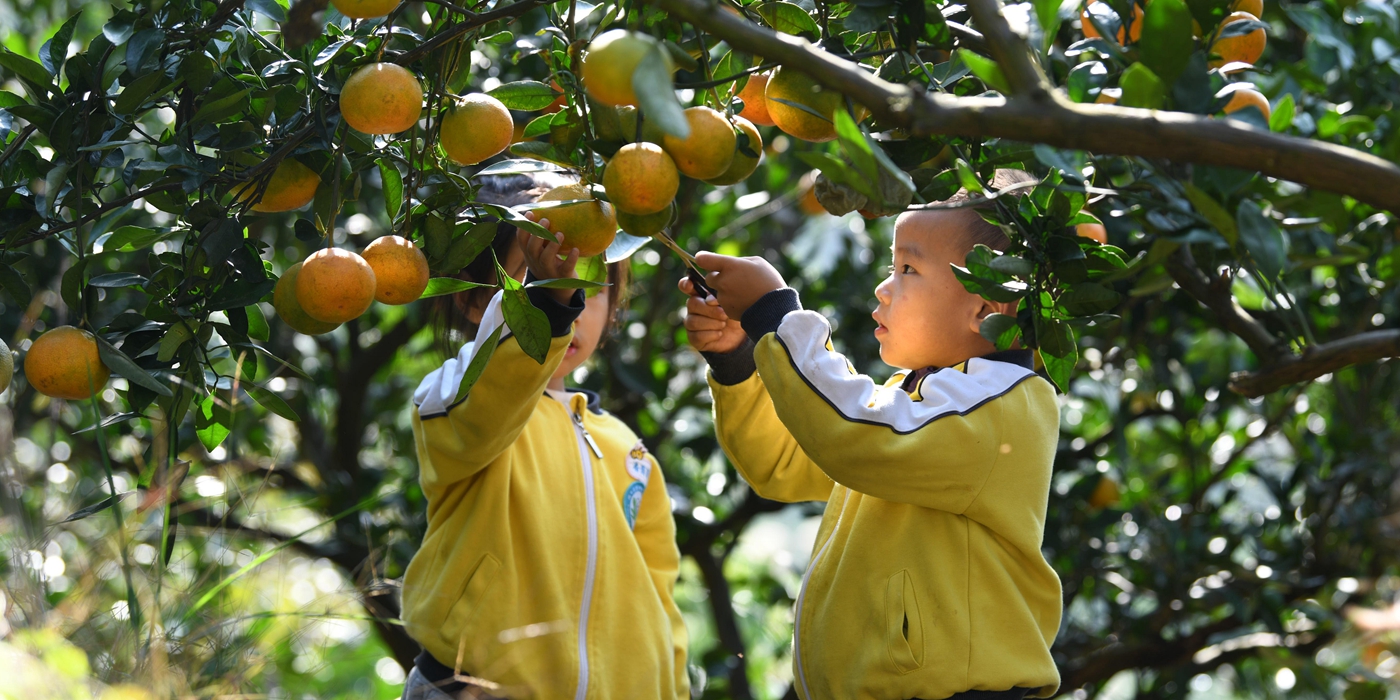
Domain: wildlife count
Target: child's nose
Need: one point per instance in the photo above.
(882, 290)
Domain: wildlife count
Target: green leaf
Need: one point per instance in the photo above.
(1088, 298)
(70, 288)
(1166, 43)
(1282, 116)
(116, 280)
(521, 165)
(478, 364)
(788, 18)
(1214, 213)
(967, 177)
(529, 324)
(1061, 369)
(14, 284)
(9, 99)
(438, 286)
(221, 108)
(170, 343)
(1263, 238)
(55, 51)
(657, 94)
(118, 362)
(1000, 329)
(854, 146)
(987, 289)
(539, 126)
(525, 95)
(986, 70)
(27, 69)
(96, 508)
(257, 323)
(393, 188)
(1142, 88)
(130, 238)
(211, 422)
(271, 401)
(271, 8)
(466, 247)
(566, 283)
(135, 94)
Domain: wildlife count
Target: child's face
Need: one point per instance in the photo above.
(926, 317)
(588, 332)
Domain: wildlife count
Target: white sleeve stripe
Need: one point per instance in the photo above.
(857, 398)
(437, 392)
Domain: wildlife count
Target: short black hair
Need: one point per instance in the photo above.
(978, 230)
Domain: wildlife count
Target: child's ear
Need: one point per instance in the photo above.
(986, 308)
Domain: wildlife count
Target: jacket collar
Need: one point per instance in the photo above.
(1021, 358)
(594, 401)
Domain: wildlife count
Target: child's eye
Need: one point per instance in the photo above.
(905, 270)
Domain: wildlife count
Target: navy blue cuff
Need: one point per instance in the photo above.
(767, 313)
(561, 316)
(733, 367)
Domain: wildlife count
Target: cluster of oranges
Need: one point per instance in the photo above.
(332, 286)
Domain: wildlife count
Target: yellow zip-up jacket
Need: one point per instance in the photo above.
(550, 559)
(927, 577)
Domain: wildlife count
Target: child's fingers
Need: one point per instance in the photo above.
(686, 287)
(705, 323)
(566, 268)
(695, 306)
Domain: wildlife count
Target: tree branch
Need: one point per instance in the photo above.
(1316, 361)
(1010, 50)
(472, 22)
(1214, 293)
(1106, 129)
(17, 143)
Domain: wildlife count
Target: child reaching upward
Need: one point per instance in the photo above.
(927, 579)
(549, 562)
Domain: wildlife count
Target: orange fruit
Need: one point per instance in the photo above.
(1094, 231)
(646, 224)
(743, 165)
(627, 118)
(611, 60)
(1248, 97)
(335, 285)
(1105, 494)
(789, 86)
(64, 363)
(477, 127)
(641, 179)
(589, 226)
(809, 203)
(1245, 49)
(755, 104)
(558, 102)
(1134, 27)
(1253, 7)
(292, 186)
(364, 9)
(400, 270)
(7, 366)
(381, 98)
(284, 301)
(709, 149)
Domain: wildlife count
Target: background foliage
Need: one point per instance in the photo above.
(1209, 544)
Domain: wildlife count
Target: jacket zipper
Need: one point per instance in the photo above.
(802, 596)
(585, 445)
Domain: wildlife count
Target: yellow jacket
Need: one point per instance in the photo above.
(927, 577)
(550, 560)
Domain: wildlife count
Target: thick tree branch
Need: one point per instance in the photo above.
(1010, 50)
(1185, 138)
(1214, 293)
(1318, 360)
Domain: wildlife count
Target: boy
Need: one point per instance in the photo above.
(927, 580)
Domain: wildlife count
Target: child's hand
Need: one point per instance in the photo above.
(738, 282)
(543, 257)
(707, 326)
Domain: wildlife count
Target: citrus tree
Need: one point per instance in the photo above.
(206, 200)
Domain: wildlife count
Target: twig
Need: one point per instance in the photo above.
(96, 213)
(17, 143)
(1214, 293)
(1010, 51)
(471, 22)
(1317, 360)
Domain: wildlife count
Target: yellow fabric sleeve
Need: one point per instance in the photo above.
(761, 448)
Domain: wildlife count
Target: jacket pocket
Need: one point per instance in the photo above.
(472, 591)
(904, 626)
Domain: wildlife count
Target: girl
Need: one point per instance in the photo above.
(549, 562)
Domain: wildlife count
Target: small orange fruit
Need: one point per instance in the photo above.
(1253, 7)
(400, 270)
(365, 9)
(1094, 231)
(335, 285)
(611, 60)
(64, 363)
(1243, 49)
(709, 149)
(787, 89)
(1248, 97)
(646, 224)
(477, 127)
(558, 102)
(743, 164)
(381, 98)
(641, 179)
(292, 186)
(589, 226)
(1134, 27)
(1105, 493)
(284, 301)
(755, 104)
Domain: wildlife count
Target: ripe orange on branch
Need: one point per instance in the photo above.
(292, 186)
(476, 127)
(400, 270)
(284, 301)
(1248, 97)
(641, 179)
(1094, 231)
(1245, 49)
(365, 9)
(709, 149)
(335, 285)
(611, 60)
(743, 164)
(795, 101)
(64, 363)
(1134, 30)
(381, 98)
(646, 224)
(755, 104)
(588, 225)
